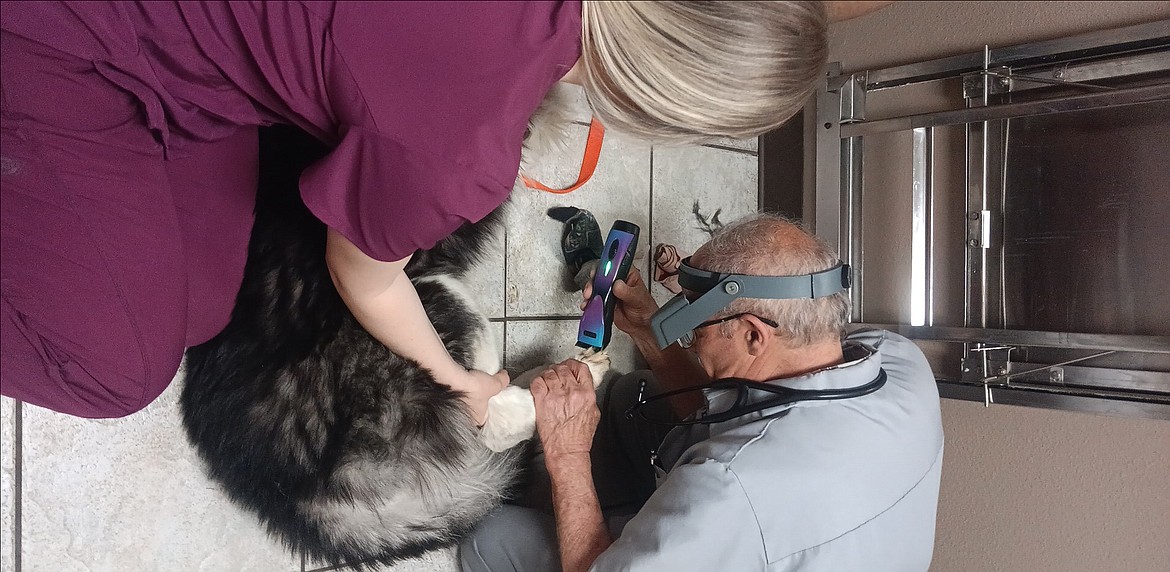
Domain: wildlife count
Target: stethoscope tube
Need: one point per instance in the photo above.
(783, 396)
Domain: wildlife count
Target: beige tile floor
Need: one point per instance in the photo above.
(129, 495)
(8, 484)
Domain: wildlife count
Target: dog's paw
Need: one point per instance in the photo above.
(598, 363)
(511, 419)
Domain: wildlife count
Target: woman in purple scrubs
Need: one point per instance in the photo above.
(129, 152)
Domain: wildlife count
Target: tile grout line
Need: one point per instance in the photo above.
(17, 482)
(648, 278)
(536, 318)
(504, 338)
(732, 149)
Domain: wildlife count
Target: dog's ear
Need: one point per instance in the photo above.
(548, 128)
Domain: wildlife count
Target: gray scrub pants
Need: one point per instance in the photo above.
(524, 538)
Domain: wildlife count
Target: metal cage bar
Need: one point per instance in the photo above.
(988, 372)
(1152, 35)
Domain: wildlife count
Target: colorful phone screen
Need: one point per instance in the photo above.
(616, 259)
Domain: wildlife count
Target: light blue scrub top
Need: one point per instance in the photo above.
(817, 485)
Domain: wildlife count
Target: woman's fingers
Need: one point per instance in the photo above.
(503, 377)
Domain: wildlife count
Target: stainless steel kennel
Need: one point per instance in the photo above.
(1010, 210)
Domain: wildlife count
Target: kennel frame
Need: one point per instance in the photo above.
(985, 370)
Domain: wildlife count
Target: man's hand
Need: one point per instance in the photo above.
(672, 366)
(566, 411)
(566, 418)
(635, 304)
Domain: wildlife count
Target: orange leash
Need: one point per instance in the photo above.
(588, 162)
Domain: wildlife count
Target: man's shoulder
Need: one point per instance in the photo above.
(901, 358)
(790, 466)
(886, 341)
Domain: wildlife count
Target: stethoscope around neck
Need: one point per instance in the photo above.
(781, 395)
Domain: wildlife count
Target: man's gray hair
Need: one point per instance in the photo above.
(772, 245)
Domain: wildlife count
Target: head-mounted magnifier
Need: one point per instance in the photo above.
(679, 316)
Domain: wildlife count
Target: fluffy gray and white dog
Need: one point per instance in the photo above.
(347, 452)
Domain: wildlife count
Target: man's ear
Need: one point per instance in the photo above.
(757, 336)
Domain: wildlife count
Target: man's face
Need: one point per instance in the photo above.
(716, 345)
(717, 351)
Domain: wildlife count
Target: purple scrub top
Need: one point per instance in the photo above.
(426, 103)
(129, 143)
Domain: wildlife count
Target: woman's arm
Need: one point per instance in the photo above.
(845, 10)
(385, 303)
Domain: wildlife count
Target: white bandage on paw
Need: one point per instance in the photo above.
(511, 419)
(512, 414)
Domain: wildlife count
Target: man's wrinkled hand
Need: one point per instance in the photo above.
(566, 410)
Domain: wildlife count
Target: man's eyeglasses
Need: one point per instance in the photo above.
(688, 339)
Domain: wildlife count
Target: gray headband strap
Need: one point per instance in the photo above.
(717, 290)
(816, 285)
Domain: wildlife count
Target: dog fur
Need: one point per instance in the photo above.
(347, 452)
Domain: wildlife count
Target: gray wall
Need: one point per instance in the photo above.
(1023, 489)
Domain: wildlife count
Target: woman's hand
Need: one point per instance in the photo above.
(635, 304)
(479, 387)
(566, 411)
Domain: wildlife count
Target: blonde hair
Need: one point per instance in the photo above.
(693, 71)
(771, 245)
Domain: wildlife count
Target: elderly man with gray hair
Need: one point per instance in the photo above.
(794, 446)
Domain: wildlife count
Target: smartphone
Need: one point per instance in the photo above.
(617, 256)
